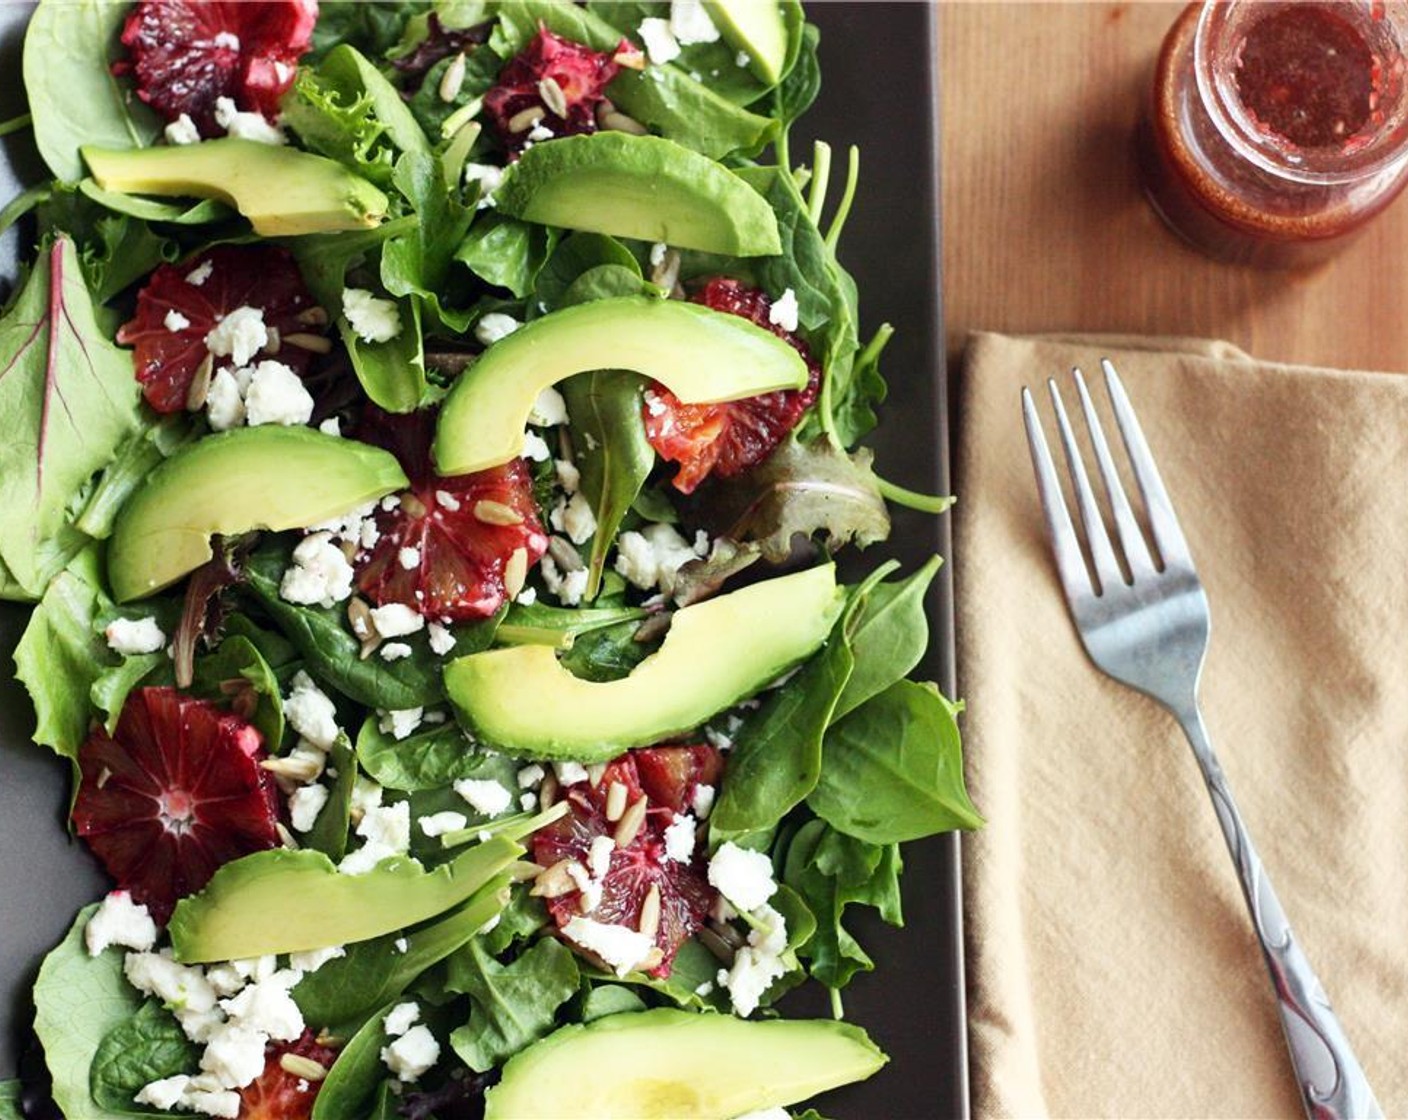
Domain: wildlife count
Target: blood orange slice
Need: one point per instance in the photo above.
(447, 546)
(175, 793)
(284, 1091)
(182, 303)
(727, 439)
(636, 870)
(671, 776)
(185, 54)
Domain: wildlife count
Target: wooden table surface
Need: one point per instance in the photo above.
(1045, 226)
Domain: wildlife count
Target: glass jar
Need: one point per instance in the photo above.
(1276, 130)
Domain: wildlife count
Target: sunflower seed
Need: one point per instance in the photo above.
(526, 119)
(452, 81)
(612, 121)
(547, 792)
(412, 505)
(496, 513)
(314, 343)
(649, 921)
(200, 384)
(564, 555)
(359, 617)
(313, 316)
(299, 769)
(325, 1037)
(629, 826)
(666, 274)
(553, 97)
(653, 627)
(727, 934)
(632, 59)
(515, 572)
(275, 343)
(595, 772)
(285, 836)
(616, 795)
(716, 945)
(103, 775)
(306, 1068)
(555, 881)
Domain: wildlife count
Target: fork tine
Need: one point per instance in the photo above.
(1136, 551)
(1069, 562)
(1102, 554)
(1168, 535)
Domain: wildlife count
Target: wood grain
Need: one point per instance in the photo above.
(1046, 228)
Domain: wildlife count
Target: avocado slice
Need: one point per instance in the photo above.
(268, 477)
(756, 28)
(716, 653)
(282, 191)
(678, 1064)
(644, 187)
(285, 901)
(699, 354)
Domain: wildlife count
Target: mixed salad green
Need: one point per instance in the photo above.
(431, 426)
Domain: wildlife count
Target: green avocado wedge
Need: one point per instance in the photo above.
(284, 901)
(699, 354)
(716, 653)
(681, 1065)
(268, 477)
(282, 191)
(756, 28)
(644, 187)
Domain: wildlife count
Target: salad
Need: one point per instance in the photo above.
(436, 427)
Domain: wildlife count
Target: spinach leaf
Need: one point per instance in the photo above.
(777, 754)
(356, 1073)
(607, 281)
(524, 916)
(393, 372)
(78, 999)
(333, 655)
(609, 999)
(148, 1047)
(612, 453)
(418, 263)
(431, 758)
(542, 624)
(506, 252)
(329, 832)
(607, 654)
(277, 651)
(692, 983)
(372, 28)
(512, 1005)
(325, 258)
(888, 632)
(575, 255)
(344, 991)
(74, 98)
(797, 91)
(892, 770)
(69, 401)
(237, 673)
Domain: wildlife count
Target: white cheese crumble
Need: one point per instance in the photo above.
(304, 805)
(320, 573)
(652, 556)
(538, 133)
(757, 964)
(239, 335)
(119, 921)
(489, 178)
(531, 775)
(569, 587)
(783, 312)
(484, 795)
(742, 876)
(175, 322)
(132, 636)
(702, 802)
(442, 641)
(493, 326)
(166, 1093)
(396, 620)
(437, 824)
(234, 1056)
(549, 409)
(599, 855)
(276, 395)
(366, 794)
(408, 558)
(310, 711)
(446, 500)
(568, 476)
(657, 254)
(575, 518)
(200, 274)
(182, 131)
(387, 832)
(246, 126)
(267, 1007)
(411, 1054)
(401, 1018)
(395, 651)
(743, 60)
(659, 40)
(310, 960)
(620, 947)
(371, 318)
(224, 402)
(679, 838)
(535, 447)
(332, 426)
(690, 23)
(400, 722)
(569, 773)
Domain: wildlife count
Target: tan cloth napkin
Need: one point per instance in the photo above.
(1112, 968)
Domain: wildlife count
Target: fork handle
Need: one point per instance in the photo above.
(1332, 1082)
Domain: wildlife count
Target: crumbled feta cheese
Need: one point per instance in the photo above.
(446, 500)
(569, 773)
(527, 597)
(538, 133)
(743, 60)
(200, 274)
(366, 794)
(652, 556)
(657, 254)
(119, 921)
(493, 326)
(395, 651)
(411, 1054)
(569, 587)
(484, 795)
(401, 945)
(164, 1094)
(267, 1008)
(620, 947)
(442, 641)
(530, 776)
(690, 23)
(332, 426)
(575, 518)
(528, 802)
(549, 409)
(703, 801)
(679, 838)
(401, 1018)
(177, 985)
(396, 620)
(182, 131)
(659, 40)
(387, 832)
(742, 876)
(535, 447)
(437, 824)
(238, 335)
(304, 805)
(175, 322)
(257, 968)
(400, 722)
(246, 126)
(204, 1095)
(224, 402)
(276, 395)
(310, 712)
(372, 319)
(225, 979)
(783, 312)
(226, 40)
(489, 178)
(132, 636)
(408, 558)
(599, 855)
(757, 964)
(310, 960)
(568, 476)
(234, 1056)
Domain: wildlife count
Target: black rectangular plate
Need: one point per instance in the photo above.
(880, 91)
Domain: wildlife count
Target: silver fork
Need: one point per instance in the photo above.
(1151, 633)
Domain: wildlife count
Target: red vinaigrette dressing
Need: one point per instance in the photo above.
(1277, 130)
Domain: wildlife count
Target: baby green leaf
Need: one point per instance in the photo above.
(512, 1005)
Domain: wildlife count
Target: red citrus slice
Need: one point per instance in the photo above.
(727, 439)
(175, 793)
(671, 775)
(517, 104)
(447, 544)
(182, 303)
(286, 1094)
(184, 54)
(684, 891)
